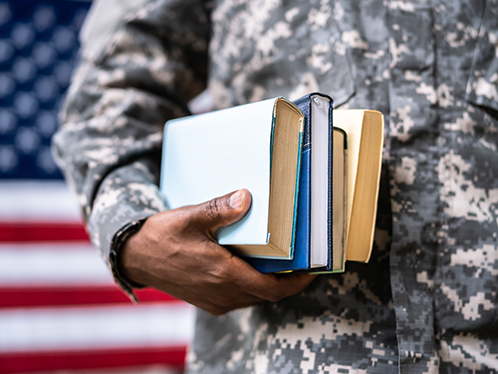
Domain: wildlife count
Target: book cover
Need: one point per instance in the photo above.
(255, 146)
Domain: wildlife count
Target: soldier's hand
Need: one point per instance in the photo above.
(176, 252)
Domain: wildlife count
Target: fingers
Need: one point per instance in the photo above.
(268, 287)
(218, 307)
(218, 311)
(282, 286)
(222, 211)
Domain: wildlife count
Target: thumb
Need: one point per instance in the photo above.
(223, 211)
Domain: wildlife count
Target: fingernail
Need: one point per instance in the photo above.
(236, 200)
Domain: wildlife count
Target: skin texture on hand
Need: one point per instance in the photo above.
(176, 252)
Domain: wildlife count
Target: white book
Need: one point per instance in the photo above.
(254, 146)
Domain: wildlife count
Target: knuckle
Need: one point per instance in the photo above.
(221, 280)
(221, 274)
(213, 210)
(274, 296)
(216, 307)
(222, 302)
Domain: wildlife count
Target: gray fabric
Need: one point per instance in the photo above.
(103, 19)
(427, 301)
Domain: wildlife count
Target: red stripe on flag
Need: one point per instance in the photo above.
(42, 232)
(39, 361)
(16, 297)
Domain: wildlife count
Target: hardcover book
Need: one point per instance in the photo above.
(255, 146)
(365, 132)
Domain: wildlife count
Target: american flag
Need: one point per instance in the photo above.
(59, 307)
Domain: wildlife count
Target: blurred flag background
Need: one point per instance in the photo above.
(59, 308)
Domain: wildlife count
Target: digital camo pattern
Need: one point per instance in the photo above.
(427, 301)
(109, 146)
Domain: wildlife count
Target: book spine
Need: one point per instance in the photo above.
(330, 213)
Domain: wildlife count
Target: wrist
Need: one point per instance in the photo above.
(118, 244)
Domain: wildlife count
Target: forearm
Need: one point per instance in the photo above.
(110, 142)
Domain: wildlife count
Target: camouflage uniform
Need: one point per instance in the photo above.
(427, 301)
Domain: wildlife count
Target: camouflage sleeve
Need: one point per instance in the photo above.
(153, 63)
(483, 81)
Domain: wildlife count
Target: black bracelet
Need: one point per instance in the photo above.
(116, 244)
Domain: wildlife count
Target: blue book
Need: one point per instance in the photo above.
(321, 216)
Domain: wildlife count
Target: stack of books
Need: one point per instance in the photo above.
(313, 173)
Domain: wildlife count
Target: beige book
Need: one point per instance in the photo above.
(365, 137)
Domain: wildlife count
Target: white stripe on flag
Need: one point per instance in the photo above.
(67, 264)
(68, 329)
(35, 201)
